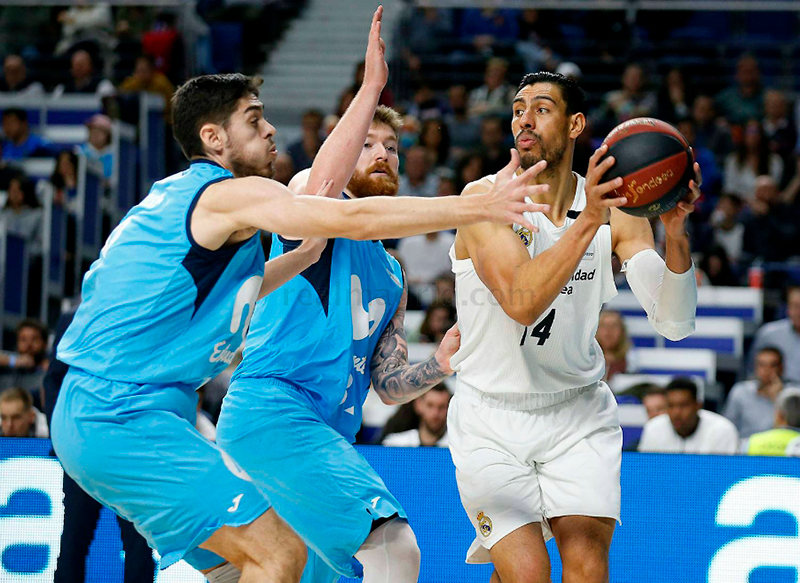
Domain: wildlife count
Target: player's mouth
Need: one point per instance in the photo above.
(526, 142)
(380, 173)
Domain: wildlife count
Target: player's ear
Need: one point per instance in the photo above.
(211, 136)
(577, 123)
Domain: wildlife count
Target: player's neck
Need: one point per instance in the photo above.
(217, 159)
(562, 184)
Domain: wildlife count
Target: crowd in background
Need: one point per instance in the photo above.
(743, 129)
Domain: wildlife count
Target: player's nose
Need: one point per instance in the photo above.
(380, 152)
(270, 130)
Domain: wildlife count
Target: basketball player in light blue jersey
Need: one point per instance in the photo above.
(294, 404)
(168, 303)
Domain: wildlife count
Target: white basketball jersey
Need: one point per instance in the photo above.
(559, 352)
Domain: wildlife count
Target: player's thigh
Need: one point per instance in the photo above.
(521, 556)
(313, 476)
(584, 479)
(499, 491)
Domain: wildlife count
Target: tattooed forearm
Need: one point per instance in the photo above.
(393, 378)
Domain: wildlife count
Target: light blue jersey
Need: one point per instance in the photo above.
(160, 314)
(157, 307)
(294, 404)
(316, 334)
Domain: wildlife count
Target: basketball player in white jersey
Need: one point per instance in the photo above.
(534, 432)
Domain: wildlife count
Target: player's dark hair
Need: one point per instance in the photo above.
(207, 99)
(774, 350)
(572, 93)
(682, 384)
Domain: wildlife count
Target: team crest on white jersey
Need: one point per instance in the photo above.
(525, 235)
(485, 524)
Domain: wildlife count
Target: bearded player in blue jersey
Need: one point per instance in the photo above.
(168, 302)
(294, 404)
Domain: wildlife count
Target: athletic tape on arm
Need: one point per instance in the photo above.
(670, 299)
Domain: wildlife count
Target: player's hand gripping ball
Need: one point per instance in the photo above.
(655, 162)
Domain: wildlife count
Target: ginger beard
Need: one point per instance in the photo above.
(367, 183)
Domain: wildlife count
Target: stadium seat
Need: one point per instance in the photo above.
(14, 278)
(743, 303)
(686, 362)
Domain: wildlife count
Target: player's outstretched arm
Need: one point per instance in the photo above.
(393, 378)
(666, 290)
(338, 156)
(244, 203)
(525, 287)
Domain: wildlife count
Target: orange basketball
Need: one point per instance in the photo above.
(655, 163)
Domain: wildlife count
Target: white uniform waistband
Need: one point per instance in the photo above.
(519, 401)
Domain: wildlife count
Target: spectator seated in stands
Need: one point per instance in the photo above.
(435, 138)
(613, 339)
(18, 416)
(715, 268)
(674, 100)
(488, 29)
(770, 227)
(417, 178)
(15, 78)
(784, 438)
(439, 317)
(711, 132)
(779, 131)
(464, 130)
(305, 149)
(712, 177)
(424, 30)
(85, 23)
(22, 213)
(432, 430)
(751, 404)
(424, 258)
(26, 367)
(493, 151)
(632, 100)
(538, 30)
(98, 148)
(19, 143)
(687, 427)
(728, 231)
(386, 98)
(469, 169)
(146, 78)
(783, 335)
(744, 100)
(654, 400)
(62, 187)
(495, 95)
(84, 80)
(751, 159)
(426, 104)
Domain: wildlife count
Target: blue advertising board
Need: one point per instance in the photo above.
(684, 519)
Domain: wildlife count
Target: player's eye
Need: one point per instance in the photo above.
(367, 145)
(542, 110)
(254, 121)
(519, 112)
(391, 149)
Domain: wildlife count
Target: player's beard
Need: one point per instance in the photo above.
(243, 165)
(364, 184)
(552, 154)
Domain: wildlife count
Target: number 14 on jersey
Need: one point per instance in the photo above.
(541, 330)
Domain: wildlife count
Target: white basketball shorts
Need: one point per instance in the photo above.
(519, 467)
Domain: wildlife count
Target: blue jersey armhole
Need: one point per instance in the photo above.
(225, 250)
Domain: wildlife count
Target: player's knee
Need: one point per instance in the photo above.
(406, 545)
(523, 571)
(585, 557)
